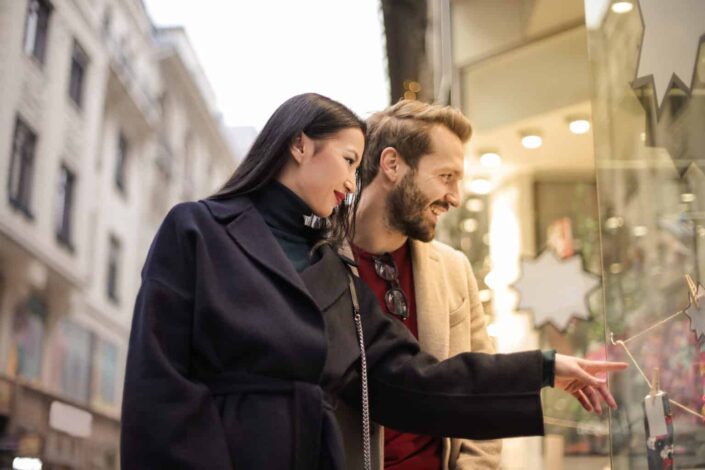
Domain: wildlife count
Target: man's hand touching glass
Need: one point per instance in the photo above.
(577, 377)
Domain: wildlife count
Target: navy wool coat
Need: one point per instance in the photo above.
(236, 361)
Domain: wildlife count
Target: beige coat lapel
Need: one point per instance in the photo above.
(431, 305)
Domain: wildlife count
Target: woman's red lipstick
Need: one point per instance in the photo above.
(339, 196)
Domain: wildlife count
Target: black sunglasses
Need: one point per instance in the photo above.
(394, 299)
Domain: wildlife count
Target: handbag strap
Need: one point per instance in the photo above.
(366, 445)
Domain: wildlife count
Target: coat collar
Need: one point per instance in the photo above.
(322, 283)
(431, 303)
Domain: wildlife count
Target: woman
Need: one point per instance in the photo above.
(243, 337)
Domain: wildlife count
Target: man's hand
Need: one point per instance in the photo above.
(577, 377)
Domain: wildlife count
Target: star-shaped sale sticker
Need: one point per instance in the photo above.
(555, 290)
(696, 312)
(673, 31)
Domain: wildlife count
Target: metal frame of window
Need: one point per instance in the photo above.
(37, 28)
(21, 175)
(77, 78)
(123, 149)
(64, 206)
(113, 273)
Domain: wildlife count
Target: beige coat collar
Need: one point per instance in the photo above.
(431, 304)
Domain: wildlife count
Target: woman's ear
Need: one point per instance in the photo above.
(301, 147)
(390, 164)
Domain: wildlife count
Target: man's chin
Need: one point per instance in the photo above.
(425, 233)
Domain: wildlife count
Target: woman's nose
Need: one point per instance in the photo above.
(349, 186)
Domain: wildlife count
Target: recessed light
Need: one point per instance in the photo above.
(470, 225)
(622, 7)
(479, 186)
(579, 126)
(490, 160)
(485, 295)
(531, 140)
(613, 223)
(640, 231)
(474, 205)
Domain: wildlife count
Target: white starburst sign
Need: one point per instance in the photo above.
(555, 290)
(696, 312)
(673, 31)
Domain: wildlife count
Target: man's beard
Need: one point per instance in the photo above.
(407, 209)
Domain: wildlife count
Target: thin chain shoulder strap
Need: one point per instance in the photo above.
(366, 446)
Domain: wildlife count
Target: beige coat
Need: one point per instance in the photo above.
(450, 321)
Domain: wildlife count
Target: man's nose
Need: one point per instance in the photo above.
(453, 197)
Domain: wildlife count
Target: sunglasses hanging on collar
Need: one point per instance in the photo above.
(394, 299)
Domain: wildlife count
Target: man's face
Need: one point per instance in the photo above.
(423, 194)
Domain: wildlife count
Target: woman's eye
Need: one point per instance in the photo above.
(351, 161)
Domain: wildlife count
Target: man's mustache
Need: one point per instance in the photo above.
(441, 204)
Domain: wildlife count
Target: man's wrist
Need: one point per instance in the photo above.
(549, 368)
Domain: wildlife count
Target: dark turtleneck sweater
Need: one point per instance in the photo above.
(283, 212)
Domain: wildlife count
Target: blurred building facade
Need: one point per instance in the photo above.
(106, 123)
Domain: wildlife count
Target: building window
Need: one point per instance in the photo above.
(121, 162)
(64, 206)
(71, 348)
(105, 374)
(29, 328)
(36, 28)
(79, 65)
(24, 144)
(114, 269)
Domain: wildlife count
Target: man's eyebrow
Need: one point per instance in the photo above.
(450, 169)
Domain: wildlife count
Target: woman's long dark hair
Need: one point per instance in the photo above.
(316, 116)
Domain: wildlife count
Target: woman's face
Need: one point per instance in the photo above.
(326, 169)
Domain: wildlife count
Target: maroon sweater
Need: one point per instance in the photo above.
(402, 451)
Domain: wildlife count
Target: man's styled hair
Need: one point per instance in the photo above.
(406, 126)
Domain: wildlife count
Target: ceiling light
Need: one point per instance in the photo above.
(579, 126)
(531, 140)
(613, 223)
(478, 186)
(485, 295)
(474, 205)
(622, 7)
(640, 231)
(490, 160)
(470, 225)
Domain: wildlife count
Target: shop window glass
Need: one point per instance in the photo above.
(649, 145)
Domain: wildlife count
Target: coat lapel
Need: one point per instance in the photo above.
(247, 228)
(431, 304)
(326, 279)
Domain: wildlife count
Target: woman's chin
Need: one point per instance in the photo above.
(325, 213)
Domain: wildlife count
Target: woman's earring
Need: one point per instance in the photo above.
(349, 199)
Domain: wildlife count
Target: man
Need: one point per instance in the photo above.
(410, 175)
